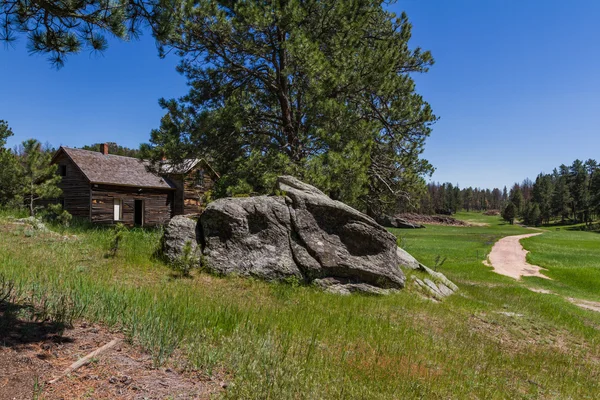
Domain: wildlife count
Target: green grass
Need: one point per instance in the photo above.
(283, 341)
(572, 259)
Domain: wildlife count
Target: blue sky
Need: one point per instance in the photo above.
(516, 85)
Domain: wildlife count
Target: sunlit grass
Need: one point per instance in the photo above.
(494, 339)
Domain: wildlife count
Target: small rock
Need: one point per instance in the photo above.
(113, 380)
(445, 290)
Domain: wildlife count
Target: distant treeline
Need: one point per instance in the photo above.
(568, 193)
(447, 199)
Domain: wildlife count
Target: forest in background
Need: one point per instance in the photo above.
(569, 193)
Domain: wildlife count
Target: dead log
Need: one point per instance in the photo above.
(85, 360)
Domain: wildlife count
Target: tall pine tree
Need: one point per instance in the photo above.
(318, 89)
(38, 178)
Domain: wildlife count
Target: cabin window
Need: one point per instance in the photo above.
(200, 178)
(118, 209)
(62, 169)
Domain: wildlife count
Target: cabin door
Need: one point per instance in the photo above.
(138, 213)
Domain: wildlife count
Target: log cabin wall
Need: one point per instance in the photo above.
(157, 204)
(177, 181)
(75, 187)
(196, 183)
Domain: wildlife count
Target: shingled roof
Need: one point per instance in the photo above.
(111, 169)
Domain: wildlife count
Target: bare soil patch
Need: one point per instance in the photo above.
(33, 353)
(509, 258)
(432, 219)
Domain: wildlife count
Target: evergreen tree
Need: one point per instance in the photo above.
(60, 27)
(578, 187)
(8, 170)
(37, 178)
(510, 212)
(542, 196)
(561, 198)
(532, 214)
(516, 198)
(468, 199)
(318, 89)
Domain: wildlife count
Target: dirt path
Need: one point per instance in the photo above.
(509, 258)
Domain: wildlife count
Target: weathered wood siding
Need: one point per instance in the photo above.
(75, 187)
(157, 204)
(177, 181)
(190, 190)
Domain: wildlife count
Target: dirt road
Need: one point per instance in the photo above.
(508, 258)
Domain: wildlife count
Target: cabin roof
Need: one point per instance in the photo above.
(111, 169)
(185, 166)
(169, 167)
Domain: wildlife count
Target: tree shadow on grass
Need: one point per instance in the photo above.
(16, 329)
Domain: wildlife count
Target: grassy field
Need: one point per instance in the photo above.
(495, 339)
(572, 258)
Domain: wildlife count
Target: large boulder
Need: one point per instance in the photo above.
(249, 236)
(303, 235)
(338, 241)
(179, 231)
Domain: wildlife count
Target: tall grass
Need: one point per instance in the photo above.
(287, 342)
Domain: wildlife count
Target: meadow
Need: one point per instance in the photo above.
(494, 339)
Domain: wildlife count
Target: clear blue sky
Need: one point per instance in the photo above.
(516, 85)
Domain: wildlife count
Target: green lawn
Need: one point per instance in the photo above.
(572, 259)
(495, 339)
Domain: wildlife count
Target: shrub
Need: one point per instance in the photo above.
(117, 237)
(55, 213)
(186, 262)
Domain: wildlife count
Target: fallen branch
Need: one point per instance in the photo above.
(85, 360)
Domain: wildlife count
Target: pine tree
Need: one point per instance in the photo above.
(37, 178)
(9, 179)
(510, 212)
(561, 199)
(59, 27)
(319, 89)
(578, 187)
(542, 196)
(516, 198)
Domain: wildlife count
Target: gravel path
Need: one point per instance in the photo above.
(509, 258)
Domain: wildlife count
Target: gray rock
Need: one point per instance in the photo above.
(439, 276)
(396, 222)
(427, 289)
(433, 287)
(34, 222)
(305, 235)
(444, 290)
(178, 232)
(337, 286)
(342, 242)
(405, 260)
(249, 236)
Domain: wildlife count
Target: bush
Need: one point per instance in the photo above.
(55, 213)
(186, 262)
(117, 237)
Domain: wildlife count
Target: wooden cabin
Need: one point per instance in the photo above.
(107, 189)
(192, 179)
